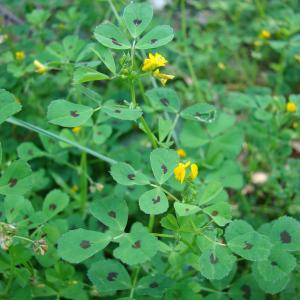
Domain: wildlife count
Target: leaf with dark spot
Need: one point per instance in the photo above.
(213, 259)
(285, 237)
(156, 200)
(153, 285)
(137, 245)
(114, 41)
(12, 182)
(164, 169)
(85, 244)
(246, 291)
(131, 176)
(112, 276)
(52, 206)
(248, 246)
(137, 22)
(112, 214)
(74, 114)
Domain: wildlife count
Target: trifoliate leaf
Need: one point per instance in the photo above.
(216, 263)
(109, 276)
(246, 288)
(201, 112)
(183, 209)
(124, 174)
(164, 99)
(137, 17)
(16, 179)
(79, 244)
(68, 114)
(278, 265)
(163, 163)
(285, 233)
(219, 212)
(251, 245)
(137, 247)
(111, 211)
(122, 113)
(111, 36)
(154, 202)
(54, 203)
(157, 37)
(28, 151)
(8, 104)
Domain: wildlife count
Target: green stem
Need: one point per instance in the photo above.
(170, 236)
(149, 132)
(173, 127)
(151, 222)
(135, 278)
(114, 10)
(59, 138)
(83, 183)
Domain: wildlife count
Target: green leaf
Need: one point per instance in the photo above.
(105, 56)
(252, 246)
(210, 192)
(68, 114)
(28, 151)
(79, 244)
(216, 263)
(109, 276)
(137, 17)
(9, 105)
(246, 288)
(278, 265)
(136, 247)
(154, 202)
(122, 113)
(111, 211)
(219, 212)
(169, 222)
(157, 37)
(101, 133)
(285, 233)
(183, 209)
(55, 202)
(164, 127)
(111, 36)
(124, 174)
(164, 99)
(85, 74)
(16, 179)
(270, 287)
(163, 162)
(201, 112)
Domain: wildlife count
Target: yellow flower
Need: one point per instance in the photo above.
(265, 34)
(181, 153)
(297, 58)
(153, 62)
(20, 55)
(39, 67)
(291, 107)
(74, 188)
(180, 171)
(257, 43)
(194, 171)
(221, 66)
(162, 77)
(76, 130)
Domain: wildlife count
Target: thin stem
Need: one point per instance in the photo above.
(170, 236)
(135, 278)
(83, 183)
(166, 191)
(23, 238)
(151, 222)
(132, 93)
(54, 136)
(149, 132)
(173, 127)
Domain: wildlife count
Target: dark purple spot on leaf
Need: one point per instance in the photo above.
(114, 41)
(74, 114)
(214, 213)
(112, 276)
(99, 132)
(117, 111)
(156, 200)
(164, 101)
(153, 41)
(30, 152)
(112, 214)
(285, 237)
(137, 21)
(12, 182)
(246, 291)
(85, 244)
(213, 259)
(131, 176)
(248, 246)
(131, 188)
(274, 263)
(137, 245)
(52, 206)
(187, 209)
(153, 285)
(164, 169)
(12, 210)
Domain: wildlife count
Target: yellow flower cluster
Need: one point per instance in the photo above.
(265, 34)
(153, 63)
(20, 55)
(180, 171)
(39, 67)
(181, 153)
(291, 107)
